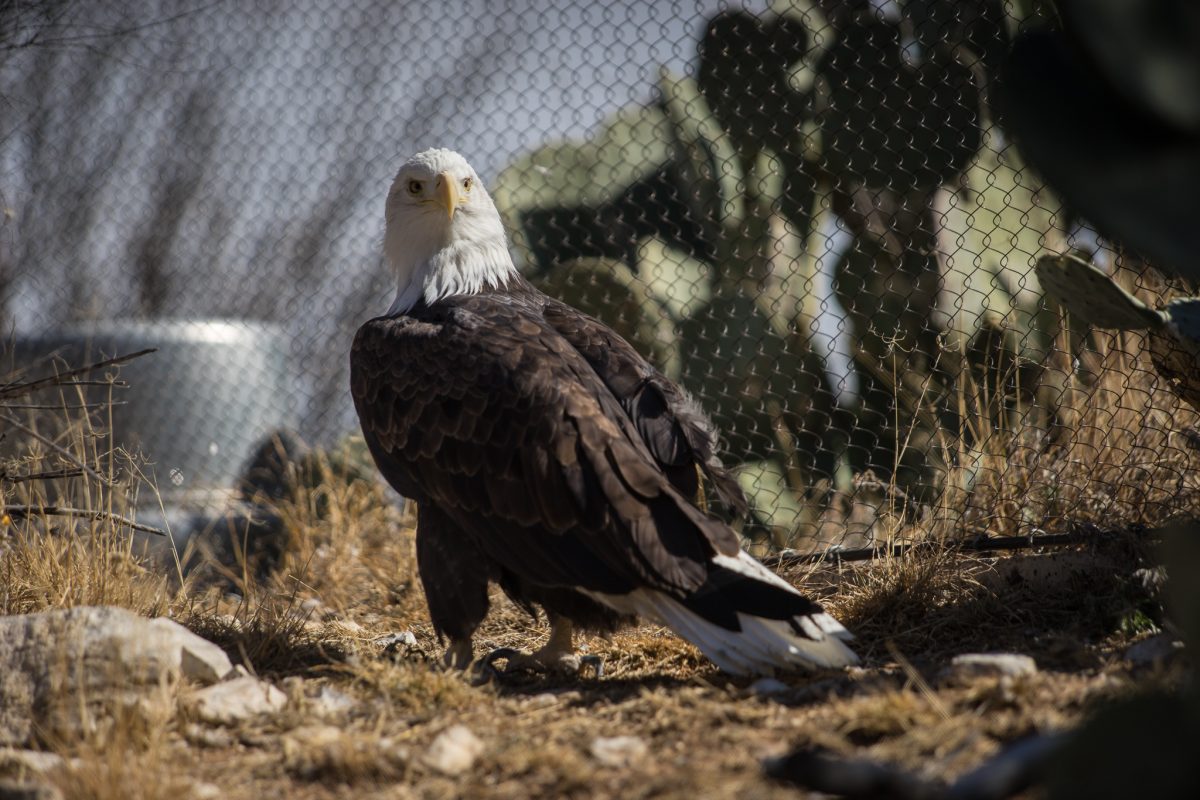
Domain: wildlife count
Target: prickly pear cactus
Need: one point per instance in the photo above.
(1092, 295)
(609, 291)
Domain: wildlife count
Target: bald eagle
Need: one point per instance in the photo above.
(546, 455)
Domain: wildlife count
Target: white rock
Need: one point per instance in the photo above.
(206, 791)
(979, 665)
(396, 640)
(65, 670)
(236, 700)
(453, 751)
(618, 751)
(200, 660)
(401, 646)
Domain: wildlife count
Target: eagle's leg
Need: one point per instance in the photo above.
(557, 655)
(459, 654)
(455, 576)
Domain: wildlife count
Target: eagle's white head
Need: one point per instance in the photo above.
(444, 236)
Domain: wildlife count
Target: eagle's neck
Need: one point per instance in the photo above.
(472, 257)
(464, 267)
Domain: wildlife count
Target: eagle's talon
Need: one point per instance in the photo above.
(544, 661)
(541, 661)
(509, 654)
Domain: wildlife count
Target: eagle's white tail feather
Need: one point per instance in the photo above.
(762, 646)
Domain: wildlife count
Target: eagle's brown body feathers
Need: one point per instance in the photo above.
(543, 453)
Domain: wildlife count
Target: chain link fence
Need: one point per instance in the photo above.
(809, 213)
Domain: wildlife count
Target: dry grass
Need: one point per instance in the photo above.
(1114, 453)
(1090, 435)
(1100, 438)
(60, 561)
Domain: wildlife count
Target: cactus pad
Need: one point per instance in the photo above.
(1092, 295)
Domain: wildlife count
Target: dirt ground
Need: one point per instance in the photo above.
(702, 733)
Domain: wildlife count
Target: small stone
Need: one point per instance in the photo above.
(767, 687)
(236, 700)
(1152, 650)
(206, 791)
(453, 751)
(401, 639)
(618, 751)
(981, 665)
(401, 646)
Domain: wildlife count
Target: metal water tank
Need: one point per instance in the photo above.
(195, 408)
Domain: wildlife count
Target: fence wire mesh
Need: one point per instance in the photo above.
(810, 214)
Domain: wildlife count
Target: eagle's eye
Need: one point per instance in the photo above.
(467, 184)
(414, 187)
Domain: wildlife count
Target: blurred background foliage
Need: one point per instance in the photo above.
(825, 214)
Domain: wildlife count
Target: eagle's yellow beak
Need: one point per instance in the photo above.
(446, 193)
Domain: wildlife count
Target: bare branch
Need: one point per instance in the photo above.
(21, 512)
(48, 475)
(67, 407)
(18, 389)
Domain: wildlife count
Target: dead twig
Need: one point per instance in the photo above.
(73, 472)
(21, 512)
(65, 378)
(66, 407)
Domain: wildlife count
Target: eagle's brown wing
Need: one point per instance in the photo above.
(485, 410)
(671, 423)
